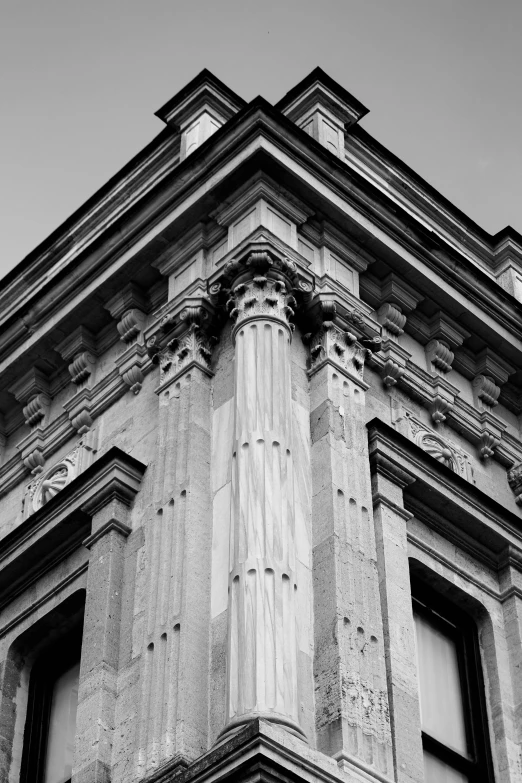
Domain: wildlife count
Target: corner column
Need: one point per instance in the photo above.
(262, 670)
(352, 714)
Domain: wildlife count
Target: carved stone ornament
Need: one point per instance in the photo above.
(49, 483)
(182, 339)
(192, 346)
(439, 408)
(391, 318)
(439, 356)
(81, 367)
(514, 478)
(133, 377)
(261, 283)
(130, 325)
(36, 409)
(487, 445)
(330, 342)
(432, 443)
(391, 372)
(485, 392)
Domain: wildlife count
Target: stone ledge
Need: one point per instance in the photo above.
(266, 753)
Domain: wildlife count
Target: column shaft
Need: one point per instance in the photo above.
(262, 645)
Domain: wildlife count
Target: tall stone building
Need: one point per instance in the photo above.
(261, 475)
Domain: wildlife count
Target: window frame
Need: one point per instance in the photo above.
(459, 626)
(53, 662)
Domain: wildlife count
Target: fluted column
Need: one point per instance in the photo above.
(262, 669)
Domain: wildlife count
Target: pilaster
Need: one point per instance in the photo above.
(511, 585)
(110, 526)
(352, 715)
(174, 608)
(388, 482)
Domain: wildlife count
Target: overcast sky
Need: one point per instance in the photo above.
(81, 79)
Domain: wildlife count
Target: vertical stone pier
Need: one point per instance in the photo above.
(174, 608)
(262, 670)
(352, 715)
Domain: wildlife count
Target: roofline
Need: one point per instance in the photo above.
(204, 76)
(318, 75)
(61, 231)
(384, 152)
(84, 208)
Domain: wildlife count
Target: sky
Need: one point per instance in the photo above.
(80, 82)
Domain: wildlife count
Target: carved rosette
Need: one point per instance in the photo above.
(438, 449)
(435, 445)
(49, 483)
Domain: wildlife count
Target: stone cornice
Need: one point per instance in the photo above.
(461, 503)
(50, 438)
(264, 752)
(442, 399)
(66, 516)
(437, 259)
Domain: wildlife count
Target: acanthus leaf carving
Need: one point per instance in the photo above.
(193, 346)
(331, 343)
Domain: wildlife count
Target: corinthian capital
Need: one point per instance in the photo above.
(342, 336)
(261, 283)
(182, 338)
